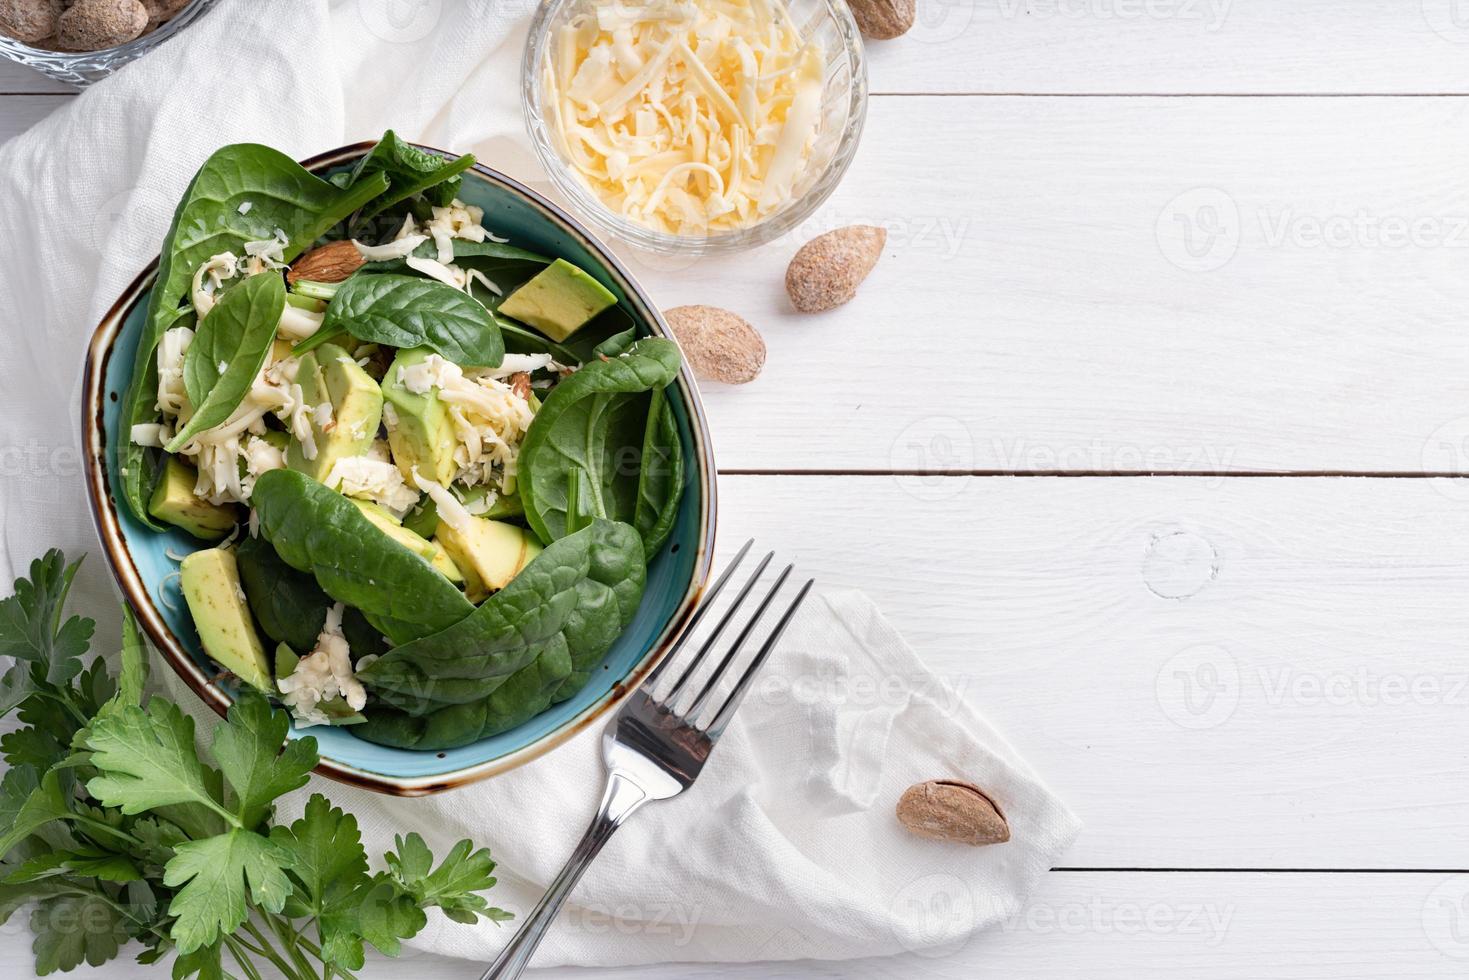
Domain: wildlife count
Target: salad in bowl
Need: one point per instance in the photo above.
(421, 456)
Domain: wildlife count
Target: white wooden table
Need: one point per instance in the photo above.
(1176, 296)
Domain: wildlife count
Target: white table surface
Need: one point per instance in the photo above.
(1176, 296)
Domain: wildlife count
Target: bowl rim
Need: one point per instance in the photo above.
(129, 581)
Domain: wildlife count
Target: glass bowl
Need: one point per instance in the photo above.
(82, 68)
(843, 108)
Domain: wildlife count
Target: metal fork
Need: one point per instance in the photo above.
(654, 750)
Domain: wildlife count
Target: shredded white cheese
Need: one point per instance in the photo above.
(688, 116)
(451, 511)
(397, 249)
(323, 674)
(373, 477)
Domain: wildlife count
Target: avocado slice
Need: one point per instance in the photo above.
(558, 301)
(174, 502)
(489, 553)
(337, 709)
(419, 545)
(211, 586)
(328, 374)
(420, 432)
(423, 520)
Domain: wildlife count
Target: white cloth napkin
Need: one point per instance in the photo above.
(788, 846)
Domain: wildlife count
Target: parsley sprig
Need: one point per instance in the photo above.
(116, 829)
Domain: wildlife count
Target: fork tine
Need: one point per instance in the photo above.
(706, 601)
(718, 674)
(739, 600)
(721, 720)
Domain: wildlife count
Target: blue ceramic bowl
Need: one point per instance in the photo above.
(143, 561)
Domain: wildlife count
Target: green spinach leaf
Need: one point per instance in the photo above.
(212, 217)
(661, 478)
(289, 607)
(406, 311)
(574, 599)
(410, 171)
(318, 530)
(525, 694)
(236, 335)
(594, 422)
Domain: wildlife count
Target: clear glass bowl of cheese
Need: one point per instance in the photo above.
(695, 125)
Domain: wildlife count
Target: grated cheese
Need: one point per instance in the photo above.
(373, 477)
(451, 511)
(688, 116)
(324, 673)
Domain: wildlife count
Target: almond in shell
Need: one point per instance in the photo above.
(883, 20)
(718, 345)
(953, 810)
(828, 269)
(332, 262)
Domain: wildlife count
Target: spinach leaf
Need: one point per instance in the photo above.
(318, 530)
(504, 265)
(525, 694)
(288, 605)
(237, 333)
(406, 311)
(410, 171)
(661, 479)
(577, 596)
(616, 344)
(594, 422)
(523, 340)
(281, 194)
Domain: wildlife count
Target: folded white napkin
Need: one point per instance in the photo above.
(788, 846)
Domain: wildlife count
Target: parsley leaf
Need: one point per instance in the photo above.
(76, 928)
(450, 886)
(329, 868)
(30, 622)
(246, 749)
(147, 759)
(214, 874)
(44, 804)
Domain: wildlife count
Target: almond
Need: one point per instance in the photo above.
(828, 269)
(952, 810)
(333, 262)
(29, 21)
(92, 25)
(718, 345)
(883, 20)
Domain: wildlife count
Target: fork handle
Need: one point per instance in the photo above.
(621, 799)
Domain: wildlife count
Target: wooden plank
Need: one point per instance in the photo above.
(19, 113)
(1121, 926)
(1178, 46)
(1248, 673)
(1038, 307)
(18, 79)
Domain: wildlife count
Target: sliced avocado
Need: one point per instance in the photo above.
(420, 432)
(328, 374)
(423, 520)
(490, 553)
(211, 586)
(174, 502)
(337, 709)
(419, 545)
(558, 301)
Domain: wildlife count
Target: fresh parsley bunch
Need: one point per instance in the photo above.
(112, 823)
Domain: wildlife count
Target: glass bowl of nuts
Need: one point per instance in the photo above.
(695, 127)
(82, 41)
